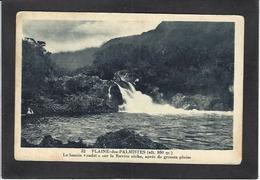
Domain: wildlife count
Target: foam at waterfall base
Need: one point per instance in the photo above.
(137, 102)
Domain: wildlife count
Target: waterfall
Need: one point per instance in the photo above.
(137, 102)
(109, 93)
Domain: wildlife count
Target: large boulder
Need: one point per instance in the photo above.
(114, 97)
(126, 138)
(155, 93)
(197, 101)
(75, 144)
(49, 141)
(124, 75)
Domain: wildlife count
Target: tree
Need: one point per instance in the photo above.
(36, 67)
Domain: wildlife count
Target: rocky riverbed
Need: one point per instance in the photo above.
(124, 138)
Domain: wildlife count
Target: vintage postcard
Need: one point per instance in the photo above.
(129, 87)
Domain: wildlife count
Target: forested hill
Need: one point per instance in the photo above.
(177, 57)
(73, 60)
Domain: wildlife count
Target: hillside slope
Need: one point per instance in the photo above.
(178, 57)
(73, 60)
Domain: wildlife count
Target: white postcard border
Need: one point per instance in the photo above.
(96, 155)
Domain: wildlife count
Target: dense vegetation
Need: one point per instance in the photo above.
(46, 88)
(189, 58)
(36, 68)
(187, 64)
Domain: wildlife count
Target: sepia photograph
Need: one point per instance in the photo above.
(114, 87)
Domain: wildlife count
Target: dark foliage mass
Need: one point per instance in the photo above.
(36, 67)
(177, 57)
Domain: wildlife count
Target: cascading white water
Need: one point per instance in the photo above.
(137, 102)
(109, 93)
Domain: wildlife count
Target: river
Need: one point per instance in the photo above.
(197, 131)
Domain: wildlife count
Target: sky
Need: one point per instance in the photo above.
(63, 36)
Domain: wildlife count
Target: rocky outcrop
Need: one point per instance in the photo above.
(123, 138)
(49, 141)
(115, 97)
(25, 143)
(198, 101)
(76, 95)
(76, 144)
(128, 139)
(155, 93)
(124, 75)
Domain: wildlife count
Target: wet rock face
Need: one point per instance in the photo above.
(115, 98)
(124, 75)
(122, 78)
(128, 139)
(155, 93)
